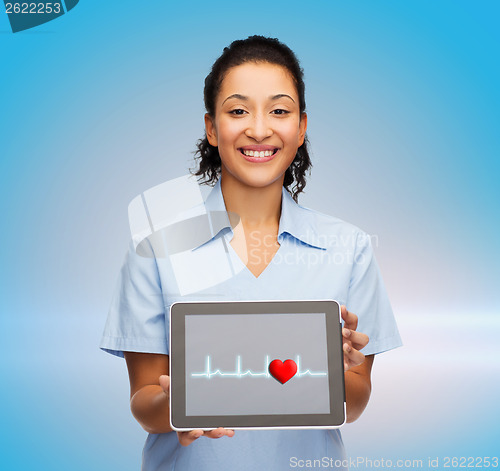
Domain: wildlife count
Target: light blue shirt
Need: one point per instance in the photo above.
(320, 257)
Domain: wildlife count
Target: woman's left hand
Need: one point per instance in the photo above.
(353, 341)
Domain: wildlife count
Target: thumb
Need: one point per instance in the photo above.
(165, 383)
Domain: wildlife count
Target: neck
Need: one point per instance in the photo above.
(255, 206)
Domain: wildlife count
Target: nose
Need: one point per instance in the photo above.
(259, 128)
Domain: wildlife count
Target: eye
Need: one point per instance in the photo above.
(280, 112)
(237, 112)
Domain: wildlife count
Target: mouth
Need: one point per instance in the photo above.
(259, 154)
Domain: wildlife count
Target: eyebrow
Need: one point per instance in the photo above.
(245, 98)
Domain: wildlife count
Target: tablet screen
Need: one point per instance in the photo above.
(228, 362)
(256, 364)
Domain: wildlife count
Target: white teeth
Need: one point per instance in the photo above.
(251, 153)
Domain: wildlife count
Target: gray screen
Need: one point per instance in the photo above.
(227, 359)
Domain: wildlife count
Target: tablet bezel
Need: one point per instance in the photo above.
(179, 421)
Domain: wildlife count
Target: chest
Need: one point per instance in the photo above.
(230, 268)
(255, 248)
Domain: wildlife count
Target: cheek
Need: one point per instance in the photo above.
(289, 130)
(229, 130)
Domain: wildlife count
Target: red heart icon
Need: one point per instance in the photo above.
(282, 371)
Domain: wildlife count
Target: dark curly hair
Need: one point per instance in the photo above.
(253, 49)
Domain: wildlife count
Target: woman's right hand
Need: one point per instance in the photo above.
(186, 438)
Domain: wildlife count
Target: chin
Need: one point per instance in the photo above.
(263, 181)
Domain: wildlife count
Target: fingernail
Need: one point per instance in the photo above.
(346, 332)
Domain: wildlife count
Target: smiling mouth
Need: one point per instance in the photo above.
(261, 154)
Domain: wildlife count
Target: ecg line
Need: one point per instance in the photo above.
(239, 374)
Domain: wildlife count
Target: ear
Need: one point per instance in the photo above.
(302, 128)
(210, 130)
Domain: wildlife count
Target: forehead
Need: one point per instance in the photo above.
(257, 80)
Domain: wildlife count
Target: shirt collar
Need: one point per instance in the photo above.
(295, 220)
(299, 222)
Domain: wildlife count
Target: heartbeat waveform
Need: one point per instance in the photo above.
(239, 374)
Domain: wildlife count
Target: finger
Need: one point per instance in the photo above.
(186, 438)
(352, 356)
(346, 333)
(350, 319)
(357, 340)
(165, 383)
(219, 432)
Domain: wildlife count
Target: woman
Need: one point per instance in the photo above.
(255, 151)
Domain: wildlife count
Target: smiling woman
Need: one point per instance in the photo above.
(246, 63)
(257, 127)
(255, 153)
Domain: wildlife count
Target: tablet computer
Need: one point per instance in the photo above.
(256, 365)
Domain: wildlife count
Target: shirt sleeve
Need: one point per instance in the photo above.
(368, 299)
(136, 319)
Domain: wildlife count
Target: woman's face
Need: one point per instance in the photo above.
(258, 126)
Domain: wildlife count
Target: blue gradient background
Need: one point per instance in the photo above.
(106, 101)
